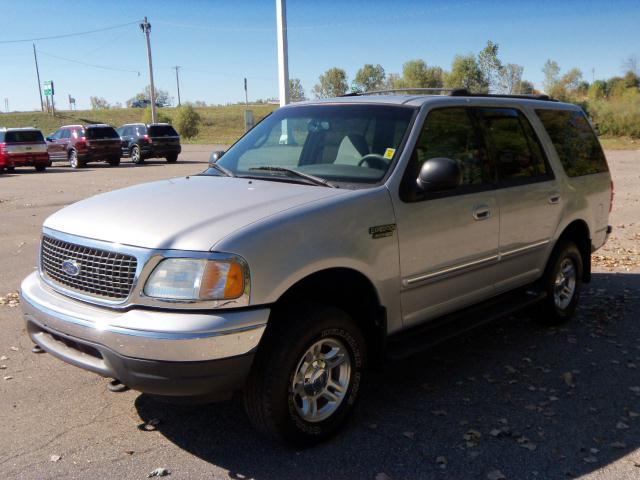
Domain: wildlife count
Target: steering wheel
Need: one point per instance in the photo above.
(374, 160)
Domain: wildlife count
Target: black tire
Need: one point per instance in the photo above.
(41, 168)
(11, 169)
(270, 400)
(172, 158)
(557, 308)
(74, 161)
(113, 161)
(136, 155)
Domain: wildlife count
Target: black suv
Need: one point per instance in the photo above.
(155, 140)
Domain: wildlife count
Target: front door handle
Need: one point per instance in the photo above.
(554, 198)
(482, 212)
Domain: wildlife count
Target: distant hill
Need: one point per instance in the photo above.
(220, 125)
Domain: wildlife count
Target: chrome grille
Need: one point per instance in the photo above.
(101, 273)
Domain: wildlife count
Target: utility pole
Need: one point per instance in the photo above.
(177, 67)
(283, 52)
(35, 57)
(146, 28)
(246, 96)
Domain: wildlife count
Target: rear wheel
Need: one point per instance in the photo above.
(562, 282)
(306, 376)
(74, 161)
(114, 161)
(136, 155)
(41, 168)
(172, 158)
(11, 169)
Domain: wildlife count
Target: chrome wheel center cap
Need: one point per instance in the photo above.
(316, 378)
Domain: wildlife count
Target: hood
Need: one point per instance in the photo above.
(188, 213)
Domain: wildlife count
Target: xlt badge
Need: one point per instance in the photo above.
(380, 231)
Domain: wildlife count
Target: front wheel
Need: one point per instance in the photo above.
(11, 169)
(562, 282)
(306, 376)
(136, 155)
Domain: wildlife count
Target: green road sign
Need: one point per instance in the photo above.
(48, 88)
(48, 92)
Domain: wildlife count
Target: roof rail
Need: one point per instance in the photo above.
(398, 90)
(453, 92)
(463, 92)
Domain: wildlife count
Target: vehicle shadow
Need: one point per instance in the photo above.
(530, 401)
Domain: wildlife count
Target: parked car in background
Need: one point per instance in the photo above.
(23, 147)
(155, 140)
(80, 144)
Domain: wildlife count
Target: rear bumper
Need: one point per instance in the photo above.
(25, 160)
(92, 155)
(154, 151)
(205, 361)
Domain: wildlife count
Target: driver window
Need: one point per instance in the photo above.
(450, 133)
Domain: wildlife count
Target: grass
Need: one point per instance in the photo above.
(620, 143)
(221, 125)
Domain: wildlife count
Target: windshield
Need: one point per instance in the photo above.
(340, 143)
(96, 133)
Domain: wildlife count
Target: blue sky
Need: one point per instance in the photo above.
(218, 42)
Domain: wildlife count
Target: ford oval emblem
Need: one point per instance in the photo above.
(71, 267)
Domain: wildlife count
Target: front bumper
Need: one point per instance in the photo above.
(211, 354)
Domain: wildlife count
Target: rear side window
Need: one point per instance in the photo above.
(162, 131)
(577, 146)
(512, 144)
(19, 136)
(96, 133)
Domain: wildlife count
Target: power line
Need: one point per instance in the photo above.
(103, 67)
(65, 35)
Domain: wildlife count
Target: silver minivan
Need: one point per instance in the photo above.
(333, 234)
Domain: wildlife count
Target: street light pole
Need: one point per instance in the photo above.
(35, 57)
(283, 53)
(177, 67)
(146, 28)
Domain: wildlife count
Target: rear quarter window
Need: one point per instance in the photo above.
(162, 131)
(574, 140)
(96, 133)
(21, 136)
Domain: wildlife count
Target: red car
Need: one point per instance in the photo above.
(23, 147)
(80, 144)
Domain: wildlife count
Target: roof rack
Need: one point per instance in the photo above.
(452, 92)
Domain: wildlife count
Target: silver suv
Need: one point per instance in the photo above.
(333, 234)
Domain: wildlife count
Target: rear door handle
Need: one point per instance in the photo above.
(481, 213)
(554, 198)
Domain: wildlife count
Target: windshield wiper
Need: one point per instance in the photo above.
(221, 169)
(306, 176)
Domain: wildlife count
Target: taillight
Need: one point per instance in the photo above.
(82, 143)
(147, 138)
(3, 148)
(613, 192)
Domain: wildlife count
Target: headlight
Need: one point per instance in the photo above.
(196, 279)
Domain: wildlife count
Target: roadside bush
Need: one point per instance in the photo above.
(161, 116)
(618, 116)
(187, 121)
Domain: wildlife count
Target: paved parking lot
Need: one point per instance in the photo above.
(511, 400)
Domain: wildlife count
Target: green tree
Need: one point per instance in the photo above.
(597, 90)
(465, 73)
(490, 65)
(526, 87)
(370, 77)
(187, 121)
(416, 74)
(331, 83)
(296, 92)
(163, 99)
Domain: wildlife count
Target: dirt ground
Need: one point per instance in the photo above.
(511, 400)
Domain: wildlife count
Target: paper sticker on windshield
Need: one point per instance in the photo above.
(389, 152)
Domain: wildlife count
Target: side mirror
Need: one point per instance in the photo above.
(439, 174)
(48, 139)
(215, 156)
